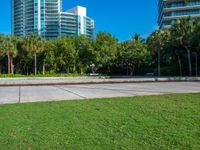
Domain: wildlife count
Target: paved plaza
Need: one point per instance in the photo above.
(23, 94)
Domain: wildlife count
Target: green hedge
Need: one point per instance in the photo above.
(41, 75)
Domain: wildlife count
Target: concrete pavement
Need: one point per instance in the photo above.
(23, 94)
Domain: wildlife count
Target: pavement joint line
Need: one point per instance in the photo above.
(128, 91)
(115, 90)
(61, 88)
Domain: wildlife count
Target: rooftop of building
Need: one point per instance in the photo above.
(78, 10)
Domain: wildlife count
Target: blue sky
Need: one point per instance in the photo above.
(122, 18)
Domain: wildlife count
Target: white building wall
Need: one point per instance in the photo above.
(81, 12)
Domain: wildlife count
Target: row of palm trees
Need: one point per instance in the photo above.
(9, 47)
(183, 38)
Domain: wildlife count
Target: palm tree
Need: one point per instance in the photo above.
(2, 37)
(157, 42)
(196, 42)
(13, 51)
(8, 46)
(137, 37)
(1, 44)
(176, 52)
(182, 32)
(34, 44)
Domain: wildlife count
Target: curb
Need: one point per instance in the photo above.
(75, 81)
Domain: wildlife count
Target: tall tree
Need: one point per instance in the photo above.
(195, 41)
(176, 53)
(2, 52)
(134, 53)
(86, 56)
(2, 39)
(13, 51)
(105, 47)
(9, 46)
(24, 59)
(34, 44)
(182, 32)
(157, 42)
(49, 56)
(65, 54)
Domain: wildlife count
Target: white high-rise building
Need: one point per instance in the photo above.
(46, 18)
(75, 21)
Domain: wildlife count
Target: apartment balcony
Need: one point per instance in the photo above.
(167, 18)
(167, 26)
(176, 5)
(183, 8)
(171, 1)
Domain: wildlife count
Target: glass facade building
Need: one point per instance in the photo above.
(171, 10)
(75, 21)
(46, 18)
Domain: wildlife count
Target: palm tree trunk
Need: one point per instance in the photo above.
(27, 70)
(8, 63)
(159, 72)
(189, 62)
(35, 66)
(180, 66)
(196, 64)
(43, 68)
(11, 65)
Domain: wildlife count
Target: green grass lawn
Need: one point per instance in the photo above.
(150, 122)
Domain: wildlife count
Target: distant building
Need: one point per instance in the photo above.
(46, 18)
(75, 21)
(171, 10)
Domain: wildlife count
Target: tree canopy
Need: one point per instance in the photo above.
(173, 51)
